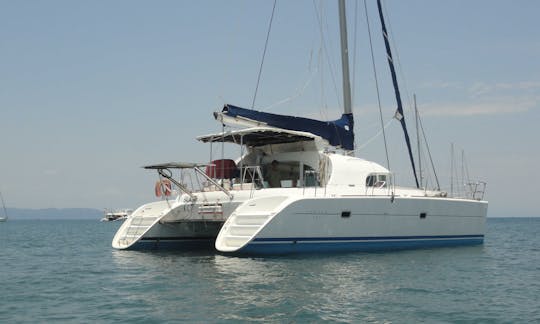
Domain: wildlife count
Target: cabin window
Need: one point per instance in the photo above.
(370, 181)
(310, 176)
(377, 180)
(283, 174)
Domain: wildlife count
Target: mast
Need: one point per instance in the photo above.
(344, 59)
(399, 113)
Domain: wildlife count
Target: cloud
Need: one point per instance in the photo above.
(50, 172)
(332, 113)
(477, 98)
(441, 85)
(481, 98)
(482, 88)
(491, 107)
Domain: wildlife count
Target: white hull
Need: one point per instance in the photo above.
(182, 224)
(283, 220)
(176, 223)
(353, 223)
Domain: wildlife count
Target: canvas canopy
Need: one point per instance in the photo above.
(338, 132)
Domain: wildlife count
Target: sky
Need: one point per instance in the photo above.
(92, 91)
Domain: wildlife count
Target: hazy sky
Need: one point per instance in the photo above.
(90, 91)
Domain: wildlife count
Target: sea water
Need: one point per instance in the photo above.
(66, 271)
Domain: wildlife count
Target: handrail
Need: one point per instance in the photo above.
(475, 190)
(168, 175)
(178, 184)
(214, 182)
(256, 172)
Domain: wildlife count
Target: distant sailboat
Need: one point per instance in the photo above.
(4, 216)
(115, 215)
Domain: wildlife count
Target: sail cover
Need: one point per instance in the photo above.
(338, 132)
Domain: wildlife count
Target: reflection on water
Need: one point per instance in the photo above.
(342, 287)
(67, 271)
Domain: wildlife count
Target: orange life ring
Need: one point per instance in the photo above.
(163, 187)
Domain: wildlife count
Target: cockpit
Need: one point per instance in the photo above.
(270, 158)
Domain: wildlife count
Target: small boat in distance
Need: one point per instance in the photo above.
(116, 215)
(4, 215)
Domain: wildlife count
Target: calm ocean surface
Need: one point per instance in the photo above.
(66, 271)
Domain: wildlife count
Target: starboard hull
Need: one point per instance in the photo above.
(363, 224)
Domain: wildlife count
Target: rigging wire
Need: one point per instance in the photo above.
(294, 96)
(376, 135)
(452, 169)
(264, 54)
(466, 169)
(397, 60)
(418, 141)
(355, 42)
(400, 115)
(462, 169)
(407, 94)
(323, 109)
(354, 48)
(429, 152)
(319, 20)
(377, 85)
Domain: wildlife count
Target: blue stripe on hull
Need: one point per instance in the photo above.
(325, 245)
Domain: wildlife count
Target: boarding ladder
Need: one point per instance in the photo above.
(242, 228)
(247, 221)
(138, 224)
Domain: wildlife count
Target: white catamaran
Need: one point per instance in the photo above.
(290, 192)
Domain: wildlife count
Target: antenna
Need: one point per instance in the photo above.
(451, 169)
(462, 169)
(418, 141)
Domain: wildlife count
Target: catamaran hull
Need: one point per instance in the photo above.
(359, 224)
(172, 225)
